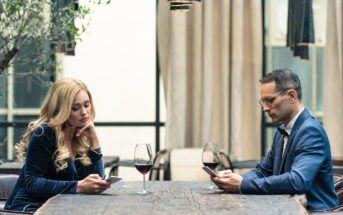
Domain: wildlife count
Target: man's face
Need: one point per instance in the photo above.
(276, 104)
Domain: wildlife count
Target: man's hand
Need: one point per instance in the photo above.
(228, 181)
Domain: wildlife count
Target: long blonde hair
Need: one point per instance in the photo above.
(55, 112)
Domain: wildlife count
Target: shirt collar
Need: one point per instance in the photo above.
(290, 125)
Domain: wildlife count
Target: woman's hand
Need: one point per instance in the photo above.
(89, 131)
(92, 184)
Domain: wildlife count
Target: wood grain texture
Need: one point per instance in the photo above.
(169, 197)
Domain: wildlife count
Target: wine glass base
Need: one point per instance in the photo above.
(143, 192)
(210, 187)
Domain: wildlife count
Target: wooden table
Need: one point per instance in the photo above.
(167, 197)
(11, 167)
(337, 163)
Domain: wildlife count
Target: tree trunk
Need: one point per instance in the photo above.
(7, 59)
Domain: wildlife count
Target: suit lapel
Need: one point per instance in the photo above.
(278, 156)
(302, 117)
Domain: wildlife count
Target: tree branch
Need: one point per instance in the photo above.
(7, 58)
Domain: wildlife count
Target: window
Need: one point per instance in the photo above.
(277, 55)
(20, 101)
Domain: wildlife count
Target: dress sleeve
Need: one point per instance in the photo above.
(97, 166)
(39, 154)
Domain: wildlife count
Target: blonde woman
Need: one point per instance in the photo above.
(61, 149)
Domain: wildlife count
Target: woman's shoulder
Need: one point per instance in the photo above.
(42, 136)
(44, 130)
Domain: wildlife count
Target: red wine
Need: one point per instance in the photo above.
(143, 168)
(211, 165)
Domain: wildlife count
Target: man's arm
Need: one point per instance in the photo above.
(309, 156)
(231, 182)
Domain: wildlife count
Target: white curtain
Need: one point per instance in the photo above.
(211, 62)
(333, 77)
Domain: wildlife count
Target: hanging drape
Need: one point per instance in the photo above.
(300, 30)
(211, 63)
(333, 77)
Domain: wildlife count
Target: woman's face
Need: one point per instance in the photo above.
(80, 110)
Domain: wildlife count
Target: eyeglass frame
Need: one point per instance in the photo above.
(269, 101)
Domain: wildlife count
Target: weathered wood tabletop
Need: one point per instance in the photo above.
(168, 197)
(11, 168)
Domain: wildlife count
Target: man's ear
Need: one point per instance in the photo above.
(292, 95)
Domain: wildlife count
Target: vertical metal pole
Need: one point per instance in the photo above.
(230, 83)
(157, 82)
(10, 102)
(314, 80)
(263, 135)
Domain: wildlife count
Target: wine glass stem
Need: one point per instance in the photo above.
(144, 182)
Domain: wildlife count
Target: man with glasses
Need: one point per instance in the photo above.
(299, 161)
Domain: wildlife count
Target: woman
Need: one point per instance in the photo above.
(62, 149)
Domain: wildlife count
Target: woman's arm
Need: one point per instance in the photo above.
(39, 154)
(94, 153)
(97, 166)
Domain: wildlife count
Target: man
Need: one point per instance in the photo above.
(299, 161)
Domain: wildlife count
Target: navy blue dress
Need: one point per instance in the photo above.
(39, 180)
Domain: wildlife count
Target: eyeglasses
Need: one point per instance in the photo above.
(269, 101)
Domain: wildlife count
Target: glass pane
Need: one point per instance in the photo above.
(118, 63)
(3, 92)
(163, 110)
(30, 87)
(276, 17)
(162, 138)
(320, 78)
(121, 141)
(283, 58)
(319, 20)
(19, 131)
(269, 136)
(3, 139)
(30, 91)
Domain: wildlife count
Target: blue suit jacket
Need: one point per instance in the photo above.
(38, 180)
(305, 167)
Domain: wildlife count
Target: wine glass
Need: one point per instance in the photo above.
(143, 161)
(210, 156)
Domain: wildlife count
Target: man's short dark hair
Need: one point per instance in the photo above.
(284, 79)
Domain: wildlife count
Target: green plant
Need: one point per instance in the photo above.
(32, 31)
(2, 143)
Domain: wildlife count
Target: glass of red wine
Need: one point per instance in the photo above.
(143, 161)
(210, 156)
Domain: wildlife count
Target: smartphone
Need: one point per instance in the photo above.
(113, 179)
(209, 171)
